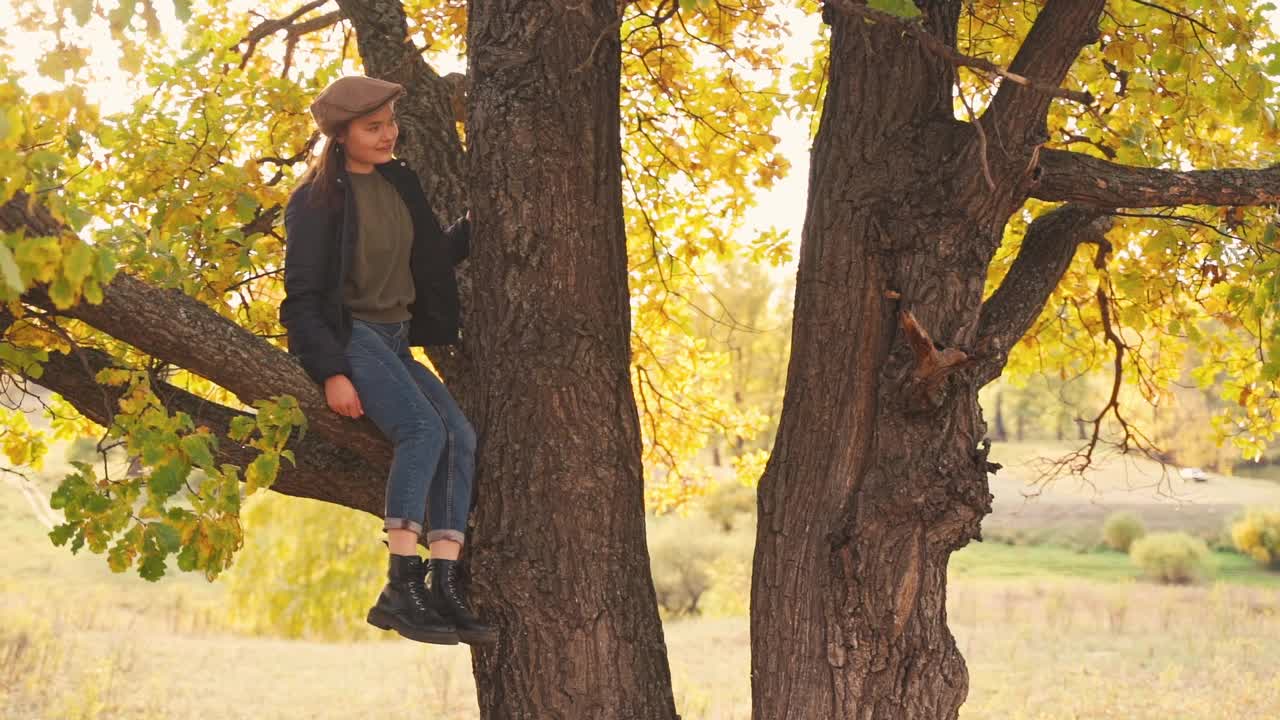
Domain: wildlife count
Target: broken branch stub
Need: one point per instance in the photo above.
(933, 365)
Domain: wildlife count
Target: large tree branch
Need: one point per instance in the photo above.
(1017, 113)
(340, 460)
(178, 329)
(1084, 179)
(23, 212)
(324, 471)
(1047, 250)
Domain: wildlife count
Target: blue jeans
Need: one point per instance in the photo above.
(434, 462)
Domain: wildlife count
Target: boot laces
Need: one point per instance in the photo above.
(451, 591)
(417, 591)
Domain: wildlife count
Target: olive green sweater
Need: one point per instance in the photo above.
(378, 286)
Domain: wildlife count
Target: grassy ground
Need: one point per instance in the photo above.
(1035, 648)
(1047, 633)
(991, 560)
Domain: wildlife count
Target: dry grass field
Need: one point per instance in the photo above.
(1048, 632)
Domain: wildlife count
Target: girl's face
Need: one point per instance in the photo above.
(371, 138)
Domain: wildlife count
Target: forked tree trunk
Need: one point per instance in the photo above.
(559, 558)
(876, 475)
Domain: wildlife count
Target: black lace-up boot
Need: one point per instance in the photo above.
(405, 605)
(448, 598)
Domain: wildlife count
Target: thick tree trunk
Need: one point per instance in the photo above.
(857, 521)
(876, 474)
(559, 557)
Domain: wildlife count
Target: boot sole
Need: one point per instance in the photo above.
(386, 621)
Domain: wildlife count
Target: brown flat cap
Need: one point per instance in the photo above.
(350, 97)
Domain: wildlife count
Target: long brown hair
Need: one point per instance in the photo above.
(321, 174)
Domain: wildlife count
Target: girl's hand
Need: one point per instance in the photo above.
(342, 396)
(468, 213)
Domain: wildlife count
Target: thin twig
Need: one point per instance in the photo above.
(982, 138)
(1175, 13)
(292, 29)
(1184, 219)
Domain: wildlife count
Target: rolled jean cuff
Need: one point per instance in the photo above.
(454, 535)
(402, 524)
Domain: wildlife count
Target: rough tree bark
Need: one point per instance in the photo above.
(879, 469)
(560, 555)
(876, 474)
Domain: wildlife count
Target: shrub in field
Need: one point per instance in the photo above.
(1172, 557)
(1223, 541)
(683, 553)
(1003, 536)
(728, 501)
(1121, 529)
(308, 569)
(730, 592)
(1257, 535)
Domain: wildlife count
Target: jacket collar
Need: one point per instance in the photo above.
(392, 169)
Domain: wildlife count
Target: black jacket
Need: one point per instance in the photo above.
(320, 246)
